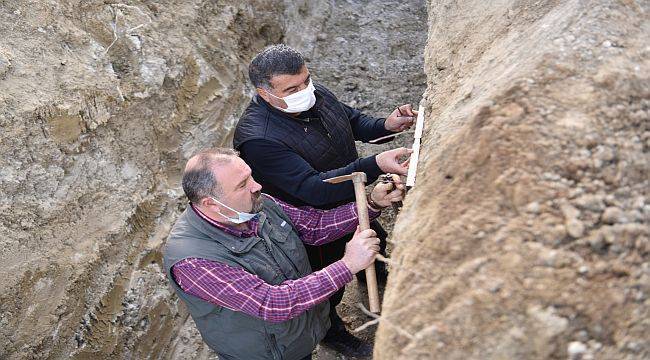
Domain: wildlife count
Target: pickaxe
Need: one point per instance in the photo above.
(359, 181)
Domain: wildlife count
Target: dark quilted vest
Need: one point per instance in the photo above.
(326, 142)
(276, 256)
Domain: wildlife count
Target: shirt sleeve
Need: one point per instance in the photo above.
(318, 227)
(366, 127)
(239, 290)
(276, 164)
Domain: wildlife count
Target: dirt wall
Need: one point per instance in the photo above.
(101, 104)
(527, 233)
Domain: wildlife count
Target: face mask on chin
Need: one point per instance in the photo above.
(241, 218)
(299, 101)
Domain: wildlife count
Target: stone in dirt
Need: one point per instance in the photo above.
(543, 91)
(5, 63)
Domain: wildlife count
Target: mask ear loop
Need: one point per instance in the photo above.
(268, 92)
(278, 98)
(238, 219)
(226, 206)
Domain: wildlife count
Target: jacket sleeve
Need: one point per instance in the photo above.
(365, 127)
(279, 165)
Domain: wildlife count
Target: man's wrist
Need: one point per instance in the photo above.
(370, 166)
(349, 266)
(373, 205)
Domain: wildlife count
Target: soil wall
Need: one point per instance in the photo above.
(101, 104)
(527, 233)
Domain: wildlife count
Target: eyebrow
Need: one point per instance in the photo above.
(304, 82)
(242, 183)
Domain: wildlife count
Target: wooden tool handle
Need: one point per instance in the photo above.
(364, 224)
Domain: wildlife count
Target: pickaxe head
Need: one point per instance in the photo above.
(356, 177)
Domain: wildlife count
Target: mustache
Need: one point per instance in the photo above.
(257, 201)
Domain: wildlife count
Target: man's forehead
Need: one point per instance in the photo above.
(282, 81)
(233, 172)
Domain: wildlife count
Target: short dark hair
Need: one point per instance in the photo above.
(276, 59)
(199, 181)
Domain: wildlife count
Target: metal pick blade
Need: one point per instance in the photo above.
(390, 136)
(338, 179)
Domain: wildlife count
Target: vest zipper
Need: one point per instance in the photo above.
(278, 270)
(274, 348)
(329, 136)
(287, 258)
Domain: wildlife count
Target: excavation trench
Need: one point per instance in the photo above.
(526, 235)
(103, 103)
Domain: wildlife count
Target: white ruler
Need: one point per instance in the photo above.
(413, 163)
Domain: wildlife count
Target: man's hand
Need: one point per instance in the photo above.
(385, 194)
(401, 118)
(361, 250)
(389, 161)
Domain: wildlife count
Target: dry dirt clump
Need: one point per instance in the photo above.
(101, 102)
(527, 234)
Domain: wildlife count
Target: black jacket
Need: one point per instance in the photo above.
(291, 156)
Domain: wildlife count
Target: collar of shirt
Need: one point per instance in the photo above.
(251, 231)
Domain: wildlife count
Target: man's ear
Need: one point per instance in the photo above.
(275, 102)
(206, 201)
(264, 94)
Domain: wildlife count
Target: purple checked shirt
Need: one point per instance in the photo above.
(239, 290)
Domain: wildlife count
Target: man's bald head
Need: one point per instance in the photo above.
(198, 177)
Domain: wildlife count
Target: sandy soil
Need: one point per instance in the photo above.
(527, 234)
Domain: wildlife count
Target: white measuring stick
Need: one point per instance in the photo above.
(413, 163)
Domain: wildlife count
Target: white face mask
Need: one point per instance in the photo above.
(242, 217)
(299, 101)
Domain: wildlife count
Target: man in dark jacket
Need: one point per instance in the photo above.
(236, 258)
(294, 134)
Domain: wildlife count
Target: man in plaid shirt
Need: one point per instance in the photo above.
(236, 258)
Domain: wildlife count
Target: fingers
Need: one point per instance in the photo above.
(383, 188)
(389, 161)
(373, 240)
(372, 243)
(397, 180)
(395, 195)
(391, 191)
(406, 109)
(368, 233)
(404, 127)
(397, 152)
(404, 123)
(401, 151)
(399, 169)
(404, 151)
(405, 120)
